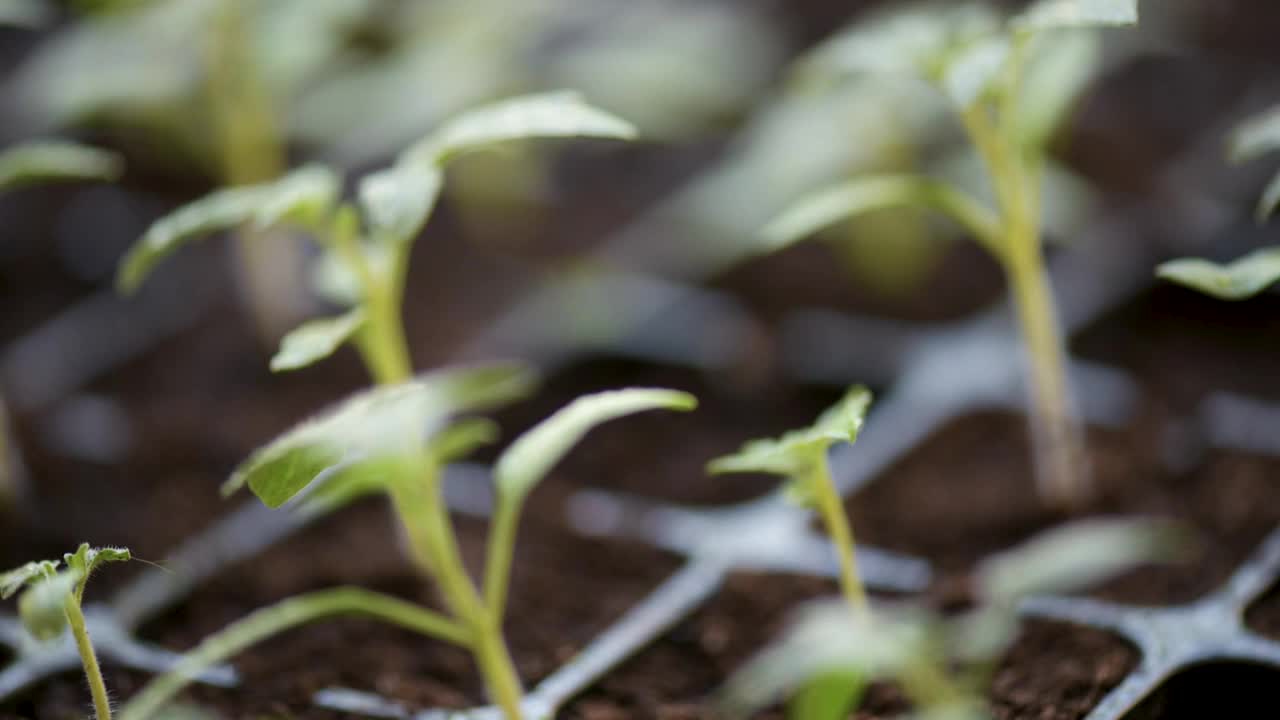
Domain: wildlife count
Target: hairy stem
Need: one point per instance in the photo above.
(831, 508)
(89, 659)
(275, 619)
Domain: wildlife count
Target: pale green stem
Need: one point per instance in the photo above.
(502, 540)
(92, 673)
(831, 507)
(275, 619)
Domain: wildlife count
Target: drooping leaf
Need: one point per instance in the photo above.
(315, 340)
(792, 453)
(548, 115)
(877, 192)
(14, 580)
(1237, 280)
(41, 605)
(1257, 136)
(528, 459)
(1059, 14)
(397, 201)
(826, 697)
(372, 428)
(1078, 555)
(1057, 71)
(48, 161)
(974, 71)
(302, 197)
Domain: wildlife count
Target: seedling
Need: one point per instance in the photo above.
(1011, 83)
(392, 440)
(1255, 272)
(942, 663)
(51, 602)
(366, 244)
(801, 457)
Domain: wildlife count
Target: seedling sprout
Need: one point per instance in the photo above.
(51, 602)
(1249, 275)
(1010, 82)
(801, 457)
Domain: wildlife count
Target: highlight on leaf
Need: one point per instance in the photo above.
(1063, 14)
(50, 161)
(1237, 280)
(315, 340)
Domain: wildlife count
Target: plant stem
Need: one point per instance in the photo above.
(93, 673)
(385, 349)
(831, 508)
(498, 670)
(497, 566)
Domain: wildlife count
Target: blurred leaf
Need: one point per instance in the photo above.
(1077, 555)
(792, 454)
(530, 456)
(1270, 199)
(14, 580)
(373, 428)
(549, 115)
(315, 340)
(1057, 71)
(870, 193)
(1256, 136)
(826, 697)
(1237, 280)
(1059, 14)
(302, 197)
(48, 161)
(397, 201)
(24, 13)
(973, 72)
(41, 605)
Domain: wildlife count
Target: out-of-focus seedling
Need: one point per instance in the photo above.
(801, 457)
(22, 165)
(1010, 82)
(50, 603)
(375, 442)
(366, 244)
(942, 663)
(1255, 272)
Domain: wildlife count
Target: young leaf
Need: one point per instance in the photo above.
(867, 194)
(826, 697)
(528, 459)
(548, 115)
(972, 73)
(301, 197)
(1238, 280)
(1059, 14)
(1078, 555)
(44, 161)
(41, 605)
(315, 340)
(1257, 136)
(18, 578)
(86, 559)
(790, 454)
(371, 428)
(1057, 72)
(397, 201)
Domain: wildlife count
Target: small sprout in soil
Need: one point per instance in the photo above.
(801, 457)
(394, 440)
(51, 602)
(1011, 82)
(366, 244)
(943, 664)
(1255, 272)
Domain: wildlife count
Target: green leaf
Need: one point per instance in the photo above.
(315, 340)
(877, 192)
(301, 198)
(1237, 280)
(41, 606)
(1078, 555)
(792, 453)
(397, 201)
(549, 115)
(86, 559)
(46, 161)
(1059, 14)
(18, 578)
(1257, 136)
(1057, 72)
(373, 428)
(830, 696)
(973, 72)
(528, 459)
